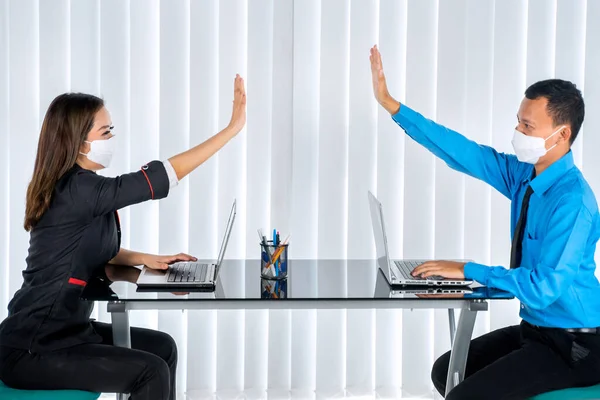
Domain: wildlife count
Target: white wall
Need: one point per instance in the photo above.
(315, 142)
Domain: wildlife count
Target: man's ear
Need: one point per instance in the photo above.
(565, 134)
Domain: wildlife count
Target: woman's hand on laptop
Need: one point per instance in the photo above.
(163, 262)
(447, 269)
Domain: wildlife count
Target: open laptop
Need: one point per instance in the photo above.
(383, 289)
(398, 272)
(188, 275)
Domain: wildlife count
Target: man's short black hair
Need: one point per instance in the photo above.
(565, 102)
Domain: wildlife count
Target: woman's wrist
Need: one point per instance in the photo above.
(142, 258)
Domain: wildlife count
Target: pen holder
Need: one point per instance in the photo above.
(273, 260)
(273, 288)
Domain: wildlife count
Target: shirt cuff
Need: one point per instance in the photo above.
(173, 181)
(477, 272)
(406, 116)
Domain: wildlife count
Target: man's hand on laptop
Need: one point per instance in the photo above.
(446, 269)
(163, 262)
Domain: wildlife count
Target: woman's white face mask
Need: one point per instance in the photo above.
(101, 151)
(529, 149)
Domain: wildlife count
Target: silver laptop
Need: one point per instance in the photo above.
(188, 275)
(398, 272)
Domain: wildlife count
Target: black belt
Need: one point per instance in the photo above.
(595, 331)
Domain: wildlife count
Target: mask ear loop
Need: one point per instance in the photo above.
(90, 143)
(555, 132)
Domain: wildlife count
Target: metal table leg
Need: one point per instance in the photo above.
(452, 323)
(120, 328)
(460, 347)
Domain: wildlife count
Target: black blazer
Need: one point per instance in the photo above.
(68, 248)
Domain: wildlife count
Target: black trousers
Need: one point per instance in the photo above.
(147, 371)
(521, 361)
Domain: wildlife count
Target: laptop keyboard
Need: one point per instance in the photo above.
(188, 272)
(407, 266)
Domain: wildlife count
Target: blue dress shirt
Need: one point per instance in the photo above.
(555, 281)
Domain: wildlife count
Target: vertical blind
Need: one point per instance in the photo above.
(315, 142)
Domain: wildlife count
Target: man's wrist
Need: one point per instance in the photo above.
(390, 104)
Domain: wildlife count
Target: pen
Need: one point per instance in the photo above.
(266, 246)
(261, 240)
(275, 244)
(279, 250)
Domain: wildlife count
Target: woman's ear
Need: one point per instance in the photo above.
(84, 148)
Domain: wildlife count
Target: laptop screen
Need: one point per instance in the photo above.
(381, 250)
(227, 234)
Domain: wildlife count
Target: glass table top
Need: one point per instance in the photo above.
(240, 280)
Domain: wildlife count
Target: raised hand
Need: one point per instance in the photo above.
(380, 89)
(238, 115)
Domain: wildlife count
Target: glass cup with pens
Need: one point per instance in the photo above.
(273, 265)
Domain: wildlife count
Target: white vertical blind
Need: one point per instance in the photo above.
(305, 182)
(362, 175)
(315, 142)
(278, 372)
(204, 94)
(510, 30)
(333, 189)
(478, 124)
(23, 105)
(143, 134)
(592, 99)
(4, 160)
(174, 137)
(260, 371)
(451, 111)
(233, 31)
(84, 67)
(419, 185)
(392, 39)
(570, 50)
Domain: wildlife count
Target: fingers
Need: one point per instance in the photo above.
(162, 265)
(425, 269)
(239, 95)
(185, 257)
(238, 86)
(375, 57)
(432, 272)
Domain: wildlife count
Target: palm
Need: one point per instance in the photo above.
(238, 115)
(379, 84)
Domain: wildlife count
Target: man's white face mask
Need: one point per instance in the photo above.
(529, 149)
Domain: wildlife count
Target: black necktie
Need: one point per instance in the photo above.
(517, 243)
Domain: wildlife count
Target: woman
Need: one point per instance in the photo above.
(48, 341)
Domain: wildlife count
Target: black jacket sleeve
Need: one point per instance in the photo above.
(100, 195)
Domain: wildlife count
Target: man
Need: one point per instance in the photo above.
(555, 227)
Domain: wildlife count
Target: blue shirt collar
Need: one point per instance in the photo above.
(540, 184)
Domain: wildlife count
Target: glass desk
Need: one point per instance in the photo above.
(311, 284)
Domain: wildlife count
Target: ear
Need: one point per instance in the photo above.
(565, 134)
(84, 148)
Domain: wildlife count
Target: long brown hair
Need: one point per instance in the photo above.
(66, 125)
